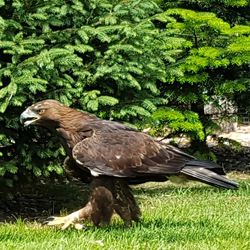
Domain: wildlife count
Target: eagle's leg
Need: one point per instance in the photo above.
(71, 219)
(107, 195)
(114, 195)
(102, 205)
(99, 209)
(124, 202)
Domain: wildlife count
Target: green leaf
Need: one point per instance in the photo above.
(37, 171)
(4, 104)
(2, 3)
(93, 105)
(3, 92)
(107, 100)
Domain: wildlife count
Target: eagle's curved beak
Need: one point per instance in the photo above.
(28, 117)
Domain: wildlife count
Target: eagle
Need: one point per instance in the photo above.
(111, 156)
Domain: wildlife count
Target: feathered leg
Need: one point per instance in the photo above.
(102, 206)
(107, 195)
(99, 209)
(124, 202)
(111, 194)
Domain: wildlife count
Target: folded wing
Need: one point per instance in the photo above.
(127, 153)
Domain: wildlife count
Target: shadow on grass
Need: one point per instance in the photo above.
(38, 201)
(174, 190)
(192, 188)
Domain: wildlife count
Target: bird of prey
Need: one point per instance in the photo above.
(111, 156)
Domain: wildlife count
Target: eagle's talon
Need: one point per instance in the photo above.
(50, 218)
(65, 221)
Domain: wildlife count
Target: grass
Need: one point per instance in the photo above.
(191, 217)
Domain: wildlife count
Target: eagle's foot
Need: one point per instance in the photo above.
(65, 221)
(71, 219)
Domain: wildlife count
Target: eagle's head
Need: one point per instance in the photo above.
(47, 113)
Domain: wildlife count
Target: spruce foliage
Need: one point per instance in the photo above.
(99, 56)
(215, 67)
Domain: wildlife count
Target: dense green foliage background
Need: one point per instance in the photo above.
(148, 63)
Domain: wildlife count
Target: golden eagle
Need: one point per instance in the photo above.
(111, 156)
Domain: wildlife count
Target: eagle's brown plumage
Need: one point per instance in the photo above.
(111, 156)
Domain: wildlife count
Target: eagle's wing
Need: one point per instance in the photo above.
(117, 151)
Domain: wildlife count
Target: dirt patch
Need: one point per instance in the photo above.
(241, 135)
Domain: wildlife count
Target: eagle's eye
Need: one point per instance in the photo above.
(40, 111)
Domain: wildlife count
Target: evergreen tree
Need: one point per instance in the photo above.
(231, 11)
(121, 60)
(215, 66)
(100, 56)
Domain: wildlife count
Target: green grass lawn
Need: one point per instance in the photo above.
(189, 217)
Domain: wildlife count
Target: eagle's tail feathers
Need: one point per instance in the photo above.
(209, 177)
